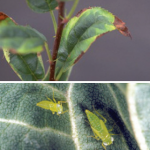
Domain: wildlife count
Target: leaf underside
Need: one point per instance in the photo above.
(139, 102)
(23, 125)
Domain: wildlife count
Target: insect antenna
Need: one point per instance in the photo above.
(53, 96)
(115, 124)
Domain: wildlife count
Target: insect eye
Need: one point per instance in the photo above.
(105, 143)
(112, 139)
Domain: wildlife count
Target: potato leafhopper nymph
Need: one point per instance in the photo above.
(52, 105)
(99, 128)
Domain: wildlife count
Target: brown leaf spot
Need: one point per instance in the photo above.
(82, 53)
(120, 25)
(13, 51)
(3, 16)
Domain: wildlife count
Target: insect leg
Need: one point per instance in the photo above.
(115, 134)
(64, 112)
(49, 99)
(103, 146)
(87, 122)
(60, 102)
(96, 136)
(112, 128)
(100, 115)
(53, 97)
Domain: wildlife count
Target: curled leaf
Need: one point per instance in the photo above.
(120, 25)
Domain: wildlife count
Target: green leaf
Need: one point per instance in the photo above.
(42, 6)
(25, 126)
(28, 67)
(21, 39)
(80, 32)
(139, 104)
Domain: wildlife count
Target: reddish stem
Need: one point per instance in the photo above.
(57, 40)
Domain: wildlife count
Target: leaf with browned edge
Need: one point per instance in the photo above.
(81, 31)
(28, 67)
(6, 20)
(20, 39)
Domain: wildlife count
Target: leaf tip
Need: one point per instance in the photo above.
(3, 16)
(120, 25)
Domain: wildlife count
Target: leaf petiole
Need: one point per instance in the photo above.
(72, 9)
(59, 74)
(54, 21)
(48, 52)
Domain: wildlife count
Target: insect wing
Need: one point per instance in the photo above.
(44, 104)
(104, 131)
(93, 119)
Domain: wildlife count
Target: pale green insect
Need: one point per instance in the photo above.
(99, 128)
(52, 105)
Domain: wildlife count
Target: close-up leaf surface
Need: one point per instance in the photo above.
(81, 31)
(23, 125)
(139, 103)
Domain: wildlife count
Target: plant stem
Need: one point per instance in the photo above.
(57, 39)
(54, 21)
(72, 9)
